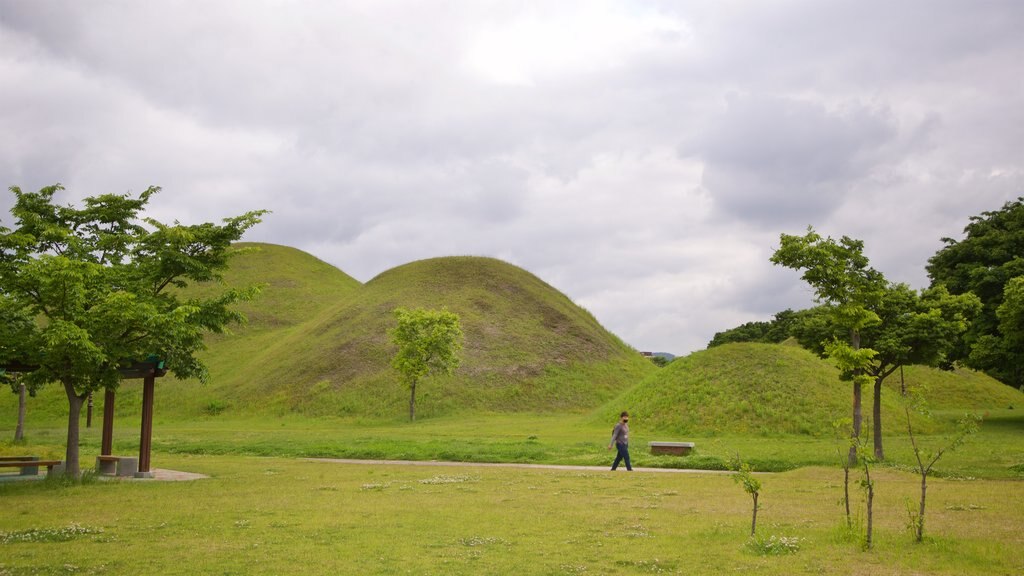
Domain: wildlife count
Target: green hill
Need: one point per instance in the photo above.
(775, 388)
(527, 346)
(316, 344)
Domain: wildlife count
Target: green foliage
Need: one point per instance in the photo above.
(744, 475)
(837, 271)
(777, 330)
(428, 341)
(886, 325)
(93, 281)
(985, 262)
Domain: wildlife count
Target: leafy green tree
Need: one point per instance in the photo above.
(984, 262)
(912, 328)
(16, 329)
(772, 332)
(841, 278)
(428, 341)
(98, 283)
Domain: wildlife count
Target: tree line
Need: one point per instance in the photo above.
(972, 313)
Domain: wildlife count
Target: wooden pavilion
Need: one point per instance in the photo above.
(148, 370)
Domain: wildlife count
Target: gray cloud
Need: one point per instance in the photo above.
(643, 158)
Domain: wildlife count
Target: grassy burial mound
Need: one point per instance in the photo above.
(779, 389)
(527, 346)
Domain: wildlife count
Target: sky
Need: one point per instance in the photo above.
(641, 157)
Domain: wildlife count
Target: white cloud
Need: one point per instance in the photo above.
(642, 158)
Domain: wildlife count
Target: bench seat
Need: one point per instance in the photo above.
(672, 448)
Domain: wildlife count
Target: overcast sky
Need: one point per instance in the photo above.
(642, 157)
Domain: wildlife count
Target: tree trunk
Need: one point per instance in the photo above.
(876, 414)
(753, 522)
(857, 418)
(920, 518)
(846, 494)
(75, 402)
(412, 402)
(857, 410)
(871, 501)
(19, 432)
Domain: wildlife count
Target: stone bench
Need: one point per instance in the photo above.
(29, 465)
(671, 448)
(117, 465)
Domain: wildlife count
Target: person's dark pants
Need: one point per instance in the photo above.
(623, 454)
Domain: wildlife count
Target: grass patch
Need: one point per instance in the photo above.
(285, 516)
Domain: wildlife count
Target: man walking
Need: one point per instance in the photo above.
(620, 439)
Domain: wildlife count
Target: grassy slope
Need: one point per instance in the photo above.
(316, 345)
(527, 348)
(768, 389)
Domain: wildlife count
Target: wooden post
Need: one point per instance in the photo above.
(146, 437)
(107, 446)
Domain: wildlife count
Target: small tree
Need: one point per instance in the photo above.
(841, 277)
(840, 426)
(745, 475)
(428, 341)
(925, 460)
(867, 460)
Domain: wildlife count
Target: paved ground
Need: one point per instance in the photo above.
(159, 475)
(175, 475)
(507, 465)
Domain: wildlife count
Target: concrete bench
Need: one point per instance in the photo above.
(28, 465)
(672, 448)
(109, 465)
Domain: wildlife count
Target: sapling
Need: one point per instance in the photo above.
(840, 426)
(745, 475)
(866, 460)
(925, 460)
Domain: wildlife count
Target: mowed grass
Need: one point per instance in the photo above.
(258, 515)
(996, 452)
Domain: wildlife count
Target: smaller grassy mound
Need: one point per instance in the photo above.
(961, 389)
(746, 388)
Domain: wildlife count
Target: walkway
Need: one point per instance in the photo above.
(507, 465)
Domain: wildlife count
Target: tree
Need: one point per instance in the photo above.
(912, 328)
(99, 284)
(15, 331)
(744, 475)
(841, 278)
(925, 460)
(984, 262)
(428, 341)
(772, 332)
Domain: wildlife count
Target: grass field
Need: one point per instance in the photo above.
(259, 515)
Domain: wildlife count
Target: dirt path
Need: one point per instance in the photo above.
(505, 465)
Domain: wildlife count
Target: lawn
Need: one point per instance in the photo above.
(265, 510)
(260, 515)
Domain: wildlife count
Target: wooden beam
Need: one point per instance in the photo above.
(107, 446)
(146, 436)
